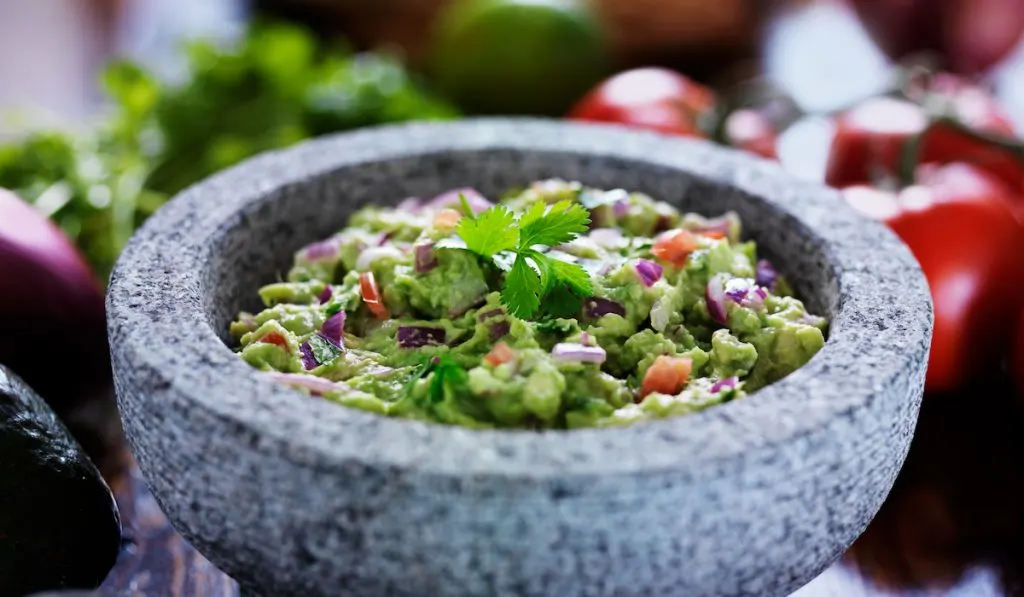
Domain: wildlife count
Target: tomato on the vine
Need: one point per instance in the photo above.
(870, 139)
(652, 98)
(957, 223)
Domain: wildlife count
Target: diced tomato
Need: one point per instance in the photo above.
(667, 375)
(501, 353)
(372, 296)
(447, 219)
(674, 246)
(713, 234)
(275, 338)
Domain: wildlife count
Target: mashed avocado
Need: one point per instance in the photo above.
(449, 311)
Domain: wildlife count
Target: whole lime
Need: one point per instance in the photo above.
(517, 56)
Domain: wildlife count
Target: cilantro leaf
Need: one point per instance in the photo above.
(532, 277)
(572, 276)
(521, 292)
(490, 232)
(449, 376)
(466, 207)
(560, 302)
(559, 224)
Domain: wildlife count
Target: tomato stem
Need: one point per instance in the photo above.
(910, 153)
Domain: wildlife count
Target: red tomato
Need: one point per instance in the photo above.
(971, 249)
(372, 296)
(667, 375)
(869, 139)
(750, 130)
(653, 98)
(674, 246)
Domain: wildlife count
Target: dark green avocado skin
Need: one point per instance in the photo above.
(59, 526)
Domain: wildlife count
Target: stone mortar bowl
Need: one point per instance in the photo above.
(297, 496)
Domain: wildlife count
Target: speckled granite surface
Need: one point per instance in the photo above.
(295, 496)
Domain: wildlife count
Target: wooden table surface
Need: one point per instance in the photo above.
(953, 524)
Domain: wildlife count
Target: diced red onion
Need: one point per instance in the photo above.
(737, 289)
(426, 259)
(568, 352)
(325, 294)
(367, 257)
(609, 238)
(333, 328)
(714, 296)
(596, 306)
(324, 249)
(586, 339)
(490, 314)
(415, 336)
(477, 202)
(722, 384)
(743, 293)
(500, 330)
(765, 274)
(316, 385)
(383, 238)
(620, 208)
(308, 358)
(648, 271)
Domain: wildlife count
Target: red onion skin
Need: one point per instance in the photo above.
(54, 333)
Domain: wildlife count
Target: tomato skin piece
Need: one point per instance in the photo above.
(650, 98)
(971, 249)
(674, 246)
(372, 297)
(667, 375)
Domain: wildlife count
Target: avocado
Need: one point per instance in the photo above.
(59, 525)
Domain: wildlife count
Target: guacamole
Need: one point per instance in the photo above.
(559, 307)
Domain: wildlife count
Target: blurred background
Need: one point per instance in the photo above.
(911, 108)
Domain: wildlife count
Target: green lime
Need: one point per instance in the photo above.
(517, 56)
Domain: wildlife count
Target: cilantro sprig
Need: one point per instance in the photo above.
(534, 278)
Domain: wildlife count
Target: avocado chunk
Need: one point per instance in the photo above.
(59, 525)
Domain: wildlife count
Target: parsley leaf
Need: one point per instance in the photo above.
(559, 224)
(521, 292)
(491, 232)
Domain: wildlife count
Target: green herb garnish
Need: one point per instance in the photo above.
(534, 278)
